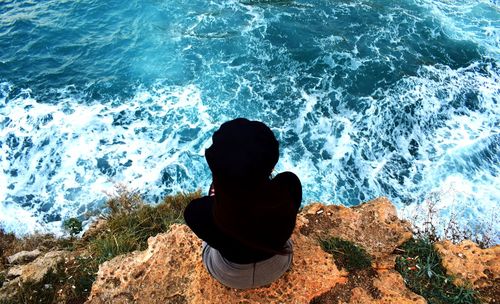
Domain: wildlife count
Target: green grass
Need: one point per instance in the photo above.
(421, 268)
(346, 254)
(130, 223)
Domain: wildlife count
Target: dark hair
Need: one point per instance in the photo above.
(243, 150)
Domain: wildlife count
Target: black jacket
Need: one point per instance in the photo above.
(251, 216)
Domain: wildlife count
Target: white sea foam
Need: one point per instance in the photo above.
(429, 135)
(455, 155)
(465, 20)
(67, 156)
(18, 220)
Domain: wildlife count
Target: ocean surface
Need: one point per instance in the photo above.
(368, 98)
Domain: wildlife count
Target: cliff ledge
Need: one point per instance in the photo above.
(170, 270)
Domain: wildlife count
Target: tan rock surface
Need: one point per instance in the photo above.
(23, 257)
(371, 286)
(34, 273)
(14, 272)
(393, 290)
(374, 225)
(43, 265)
(171, 271)
(467, 262)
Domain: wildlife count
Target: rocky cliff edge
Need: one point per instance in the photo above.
(170, 270)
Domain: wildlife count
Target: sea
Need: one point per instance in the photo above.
(367, 98)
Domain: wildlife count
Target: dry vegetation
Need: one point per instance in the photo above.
(126, 226)
(429, 223)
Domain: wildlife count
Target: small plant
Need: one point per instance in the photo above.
(421, 268)
(346, 254)
(73, 226)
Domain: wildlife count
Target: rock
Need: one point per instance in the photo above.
(14, 272)
(36, 271)
(469, 263)
(32, 273)
(171, 271)
(371, 286)
(23, 257)
(393, 290)
(373, 225)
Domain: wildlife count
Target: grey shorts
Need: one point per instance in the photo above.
(245, 276)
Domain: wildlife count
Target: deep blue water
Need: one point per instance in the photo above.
(367, 98)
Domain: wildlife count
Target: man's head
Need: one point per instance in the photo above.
(243, 149)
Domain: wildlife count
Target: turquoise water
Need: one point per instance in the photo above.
(367, 98)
